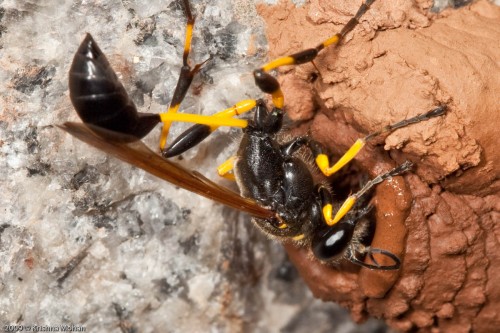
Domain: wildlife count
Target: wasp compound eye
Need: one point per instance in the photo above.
(332, 243)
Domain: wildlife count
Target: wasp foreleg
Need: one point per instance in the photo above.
(322, 159)
(351, 200)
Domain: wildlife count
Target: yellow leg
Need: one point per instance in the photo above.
(351, 200)
(323, 161)
(298, 237)
(268, 84)
(344, 209)
(166, 127)
(226, 169)
(235, 110)
(278, 99)
(185, 77)
(331, 41)
(204, 126)
(283, 61)
(222, 118)
(187, 40)
(301, 57)
(204, 120)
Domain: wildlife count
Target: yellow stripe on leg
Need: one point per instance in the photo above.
(226, 168)
(236, 110)
(327, 212)
(189, 34)
(344, 209)
(203, 120)
(323, 162)
(332, 40)
(222, 118)
(283, 61)
(278, 99)
(298, 237)
(166, 126)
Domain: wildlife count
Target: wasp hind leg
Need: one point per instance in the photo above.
(205, 125)
(185, 77)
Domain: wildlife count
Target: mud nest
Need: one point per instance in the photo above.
(442, 218)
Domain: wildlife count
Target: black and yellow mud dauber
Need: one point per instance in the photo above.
(288, 195)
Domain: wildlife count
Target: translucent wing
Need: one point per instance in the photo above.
(139, 155)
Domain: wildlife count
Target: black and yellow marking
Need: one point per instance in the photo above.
(335, 39)
(222, 118)
(322, 159)
(235, 110)
(326, 201)
(268, 84)
(351, 200)
(226, 169)
(299, 237)
(323, 163)
(204, 126)
(185, 77)
(211, 121)
(189, 32)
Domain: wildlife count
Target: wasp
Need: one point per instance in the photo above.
(283, 180)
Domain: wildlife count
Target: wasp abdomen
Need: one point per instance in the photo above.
(99, 97)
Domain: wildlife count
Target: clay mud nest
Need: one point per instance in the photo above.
(442, 218)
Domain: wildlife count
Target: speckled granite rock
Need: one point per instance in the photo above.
(89, 241)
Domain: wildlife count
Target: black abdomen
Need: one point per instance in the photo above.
(99, 97)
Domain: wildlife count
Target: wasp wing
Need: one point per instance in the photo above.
(139, 155)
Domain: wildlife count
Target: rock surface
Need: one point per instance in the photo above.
(86, 240)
